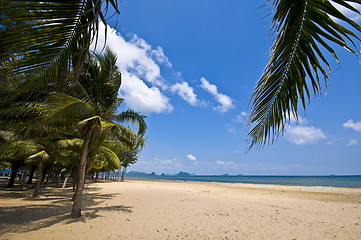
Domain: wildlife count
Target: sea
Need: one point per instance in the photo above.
(348, 181)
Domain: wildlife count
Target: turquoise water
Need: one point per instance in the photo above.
(324, 181)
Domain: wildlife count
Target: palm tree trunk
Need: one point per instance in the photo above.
(66, 178)
(39, 177)
(23, 177)
(15, 166)
(31, 175)
(96, 176)
(124, 170)
(74, 186)
(76, 210)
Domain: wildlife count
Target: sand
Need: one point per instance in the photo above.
(140, 209)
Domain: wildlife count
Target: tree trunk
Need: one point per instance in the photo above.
(74, 185)
(23, 178)
(124, 170)
(76, 210)
(96, 176)
(44, 173)
(15, 166)
(66, 178)
(31, 175)
(39, 177)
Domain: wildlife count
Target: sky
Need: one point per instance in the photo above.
(191, 67)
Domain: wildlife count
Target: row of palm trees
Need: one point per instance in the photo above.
(58, 103)
(77, 127)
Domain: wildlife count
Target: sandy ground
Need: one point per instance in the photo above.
(138, 209)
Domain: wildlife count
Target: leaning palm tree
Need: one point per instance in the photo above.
(301, 28)
(91, 105)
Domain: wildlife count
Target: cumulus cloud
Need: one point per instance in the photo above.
(139, 64)
(191, 157)
(353, 125)
(143, 98)
(186, 92)
(226, 103)
(304, 134)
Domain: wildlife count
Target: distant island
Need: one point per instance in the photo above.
(183, 174)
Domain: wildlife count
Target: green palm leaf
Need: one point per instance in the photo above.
(133, 117)
(301, 27)
(46, 39)
(110, 156)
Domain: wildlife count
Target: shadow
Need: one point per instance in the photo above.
(25, 214)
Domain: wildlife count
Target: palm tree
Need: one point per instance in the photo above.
(15, 150)
(129, 157)
(91, 105)
(300, 27)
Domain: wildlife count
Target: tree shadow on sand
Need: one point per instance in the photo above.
(25, 214)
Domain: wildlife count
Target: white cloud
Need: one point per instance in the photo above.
(353, 125)
(223, 163)
(226, 103)
(186, 92)
(352, 142)
(167, 162)
(138, 63)
(242, 117)
(299, 120)
(140, 97)
(160, 57)
(304, 134)
(191, 157)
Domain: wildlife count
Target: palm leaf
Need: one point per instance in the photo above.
(110, 156)
(301, 27)
(65, 106)
(44, 40)
(41, 154)
(133, 117)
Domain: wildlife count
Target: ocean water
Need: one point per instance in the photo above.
(319, 181)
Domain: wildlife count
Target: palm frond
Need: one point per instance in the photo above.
(74, 142)
(301, 27)
(64, 105)
(41, 155)
(44, 40)
(133, 117)
(110, 156)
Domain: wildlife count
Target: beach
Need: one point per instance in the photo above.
(148, 209)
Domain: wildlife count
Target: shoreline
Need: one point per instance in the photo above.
(265, 184)
(158, 209)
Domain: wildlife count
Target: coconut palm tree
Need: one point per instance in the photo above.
(15, 150)
(301, 29)
(91, 106)
(129, 157)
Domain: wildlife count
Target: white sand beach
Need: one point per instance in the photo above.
(144, 209)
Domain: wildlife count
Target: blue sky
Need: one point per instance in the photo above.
(191, 66)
